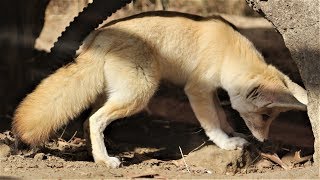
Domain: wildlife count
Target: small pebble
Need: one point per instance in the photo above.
(39, 156)
(5, 151)
(6, 169)
(263, 164)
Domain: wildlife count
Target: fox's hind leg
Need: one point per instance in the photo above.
(130, 85)
(102, 98)
(121, 103)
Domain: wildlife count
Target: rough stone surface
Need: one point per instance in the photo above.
(298, 23)
(209, 157)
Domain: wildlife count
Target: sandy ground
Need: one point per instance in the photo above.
(149, 147)
(150, 150)
(57, 169)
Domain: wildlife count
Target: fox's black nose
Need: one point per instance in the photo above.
(260, 139)
(266, 140)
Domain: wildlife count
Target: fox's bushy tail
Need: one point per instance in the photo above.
(59, 98)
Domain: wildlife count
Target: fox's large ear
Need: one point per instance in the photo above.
(284, 99)
(278, 97)
(297, 91)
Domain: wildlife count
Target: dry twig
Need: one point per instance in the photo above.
(185, 163)
(299, 159)
(64, 130)
(198, 147)
(72, 136)
(275, 158)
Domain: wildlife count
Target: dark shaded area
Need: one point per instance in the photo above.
(21, 23)
(8, 177)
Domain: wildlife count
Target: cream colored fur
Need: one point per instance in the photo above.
(127, 59)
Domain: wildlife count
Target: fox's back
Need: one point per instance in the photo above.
(177, 41)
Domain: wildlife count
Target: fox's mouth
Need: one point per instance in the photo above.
(260, 139)
(257, 135)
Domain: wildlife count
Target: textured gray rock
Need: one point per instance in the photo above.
(298, 23)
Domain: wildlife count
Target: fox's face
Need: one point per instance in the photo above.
(261, 102)
(259, 122)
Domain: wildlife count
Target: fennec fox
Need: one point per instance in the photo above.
(126, 59)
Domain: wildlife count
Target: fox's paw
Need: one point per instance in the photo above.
(233, 143)
(223, 141)
(111, 162)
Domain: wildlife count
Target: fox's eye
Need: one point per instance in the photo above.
(265, 117)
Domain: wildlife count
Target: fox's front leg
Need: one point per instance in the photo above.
(206, 109)
(225, 126)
